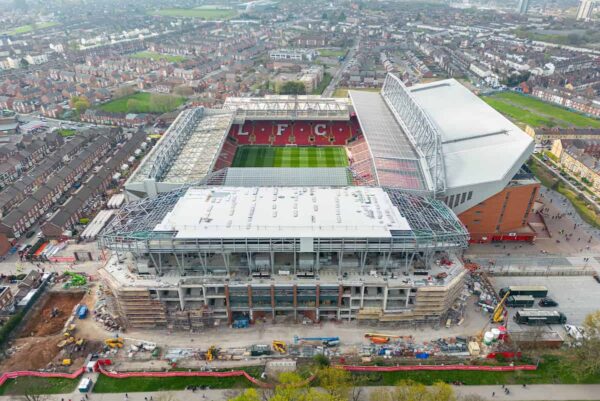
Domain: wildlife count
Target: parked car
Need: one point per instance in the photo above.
(547, 302)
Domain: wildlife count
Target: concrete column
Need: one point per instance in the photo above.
(228, 305)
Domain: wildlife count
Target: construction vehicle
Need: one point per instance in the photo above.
(326, 341)
(212, 353)
(116, 342)
(260, 350)
(65, 342)
(499, 311)
(67, 362)
(241, 323)
(378, 338)
(279, 346)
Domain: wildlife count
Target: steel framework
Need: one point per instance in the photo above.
(188, 149)
(434, 227)
(288, 108)
(419, 128)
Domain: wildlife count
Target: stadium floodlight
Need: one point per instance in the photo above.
(419, 128)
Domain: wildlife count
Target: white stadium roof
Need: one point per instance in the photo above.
(479, 144)
(234, 212)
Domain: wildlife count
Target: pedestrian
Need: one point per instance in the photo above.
(493, 394)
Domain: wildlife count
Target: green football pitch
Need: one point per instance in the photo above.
(291, 156)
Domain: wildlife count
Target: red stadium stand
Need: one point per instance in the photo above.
(227, 154)
(301, 133)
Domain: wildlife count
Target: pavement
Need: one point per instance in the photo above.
(541, 392)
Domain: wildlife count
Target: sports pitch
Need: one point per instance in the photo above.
(268, 156)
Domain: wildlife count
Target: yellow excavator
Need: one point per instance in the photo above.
(498, 315)
(279, 346)
(114, 342)
(212, 353)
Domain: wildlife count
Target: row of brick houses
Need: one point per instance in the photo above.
(61, 173)
(78, 205)
(20, 153)
(96, 116)
(19, 190)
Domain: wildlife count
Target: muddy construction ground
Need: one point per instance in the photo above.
(36, 345)
(40, 321)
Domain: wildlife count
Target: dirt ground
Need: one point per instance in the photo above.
(40, 323)
(31, 353)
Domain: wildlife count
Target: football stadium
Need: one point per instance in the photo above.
(303, 207)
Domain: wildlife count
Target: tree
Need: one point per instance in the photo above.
(336, 383)
(248, 395)
(588, 354)
(183, 90)
(412, 391)
(292, 88)
(124, 91)
(79, 103)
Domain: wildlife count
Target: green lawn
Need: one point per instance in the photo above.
(66, 132)
(292, 156)
(332, 52)
(143, 102)
(343, 92)
(137, 384)
(535, 112)
(38, 385)
(30, 28)
(207, 13)
(551, 370)
(158, 56)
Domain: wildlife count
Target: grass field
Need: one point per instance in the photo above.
(30, 28)
(343, 92)
(534, 112)
(143, 102)
(332, 52)
(158, 56)
(38, 385)
(267, 156)
(552, 370)
(207, 13)
(65, 133)
(146, 384)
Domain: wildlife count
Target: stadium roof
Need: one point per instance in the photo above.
(188, 149)
(394, 157)
(234, 212)
(288, 107)
(408, 220)
(286, 177)
(479, 144)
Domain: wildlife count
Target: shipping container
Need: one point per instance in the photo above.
(520, 301)
(536, 291)
(540, 317)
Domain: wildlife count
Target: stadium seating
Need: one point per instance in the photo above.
(227, 154)
(301, 133)
(398, 173)
(360, 161)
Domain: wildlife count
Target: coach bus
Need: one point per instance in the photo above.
(540, 317)
(536, 291)
(520, 301)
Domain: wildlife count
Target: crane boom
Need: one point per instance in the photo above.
(499, 311)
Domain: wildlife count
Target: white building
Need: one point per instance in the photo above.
(584, 12)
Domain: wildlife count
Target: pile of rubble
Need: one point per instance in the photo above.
(103, 314)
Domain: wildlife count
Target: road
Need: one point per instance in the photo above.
(328, 92)
(546, 392)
